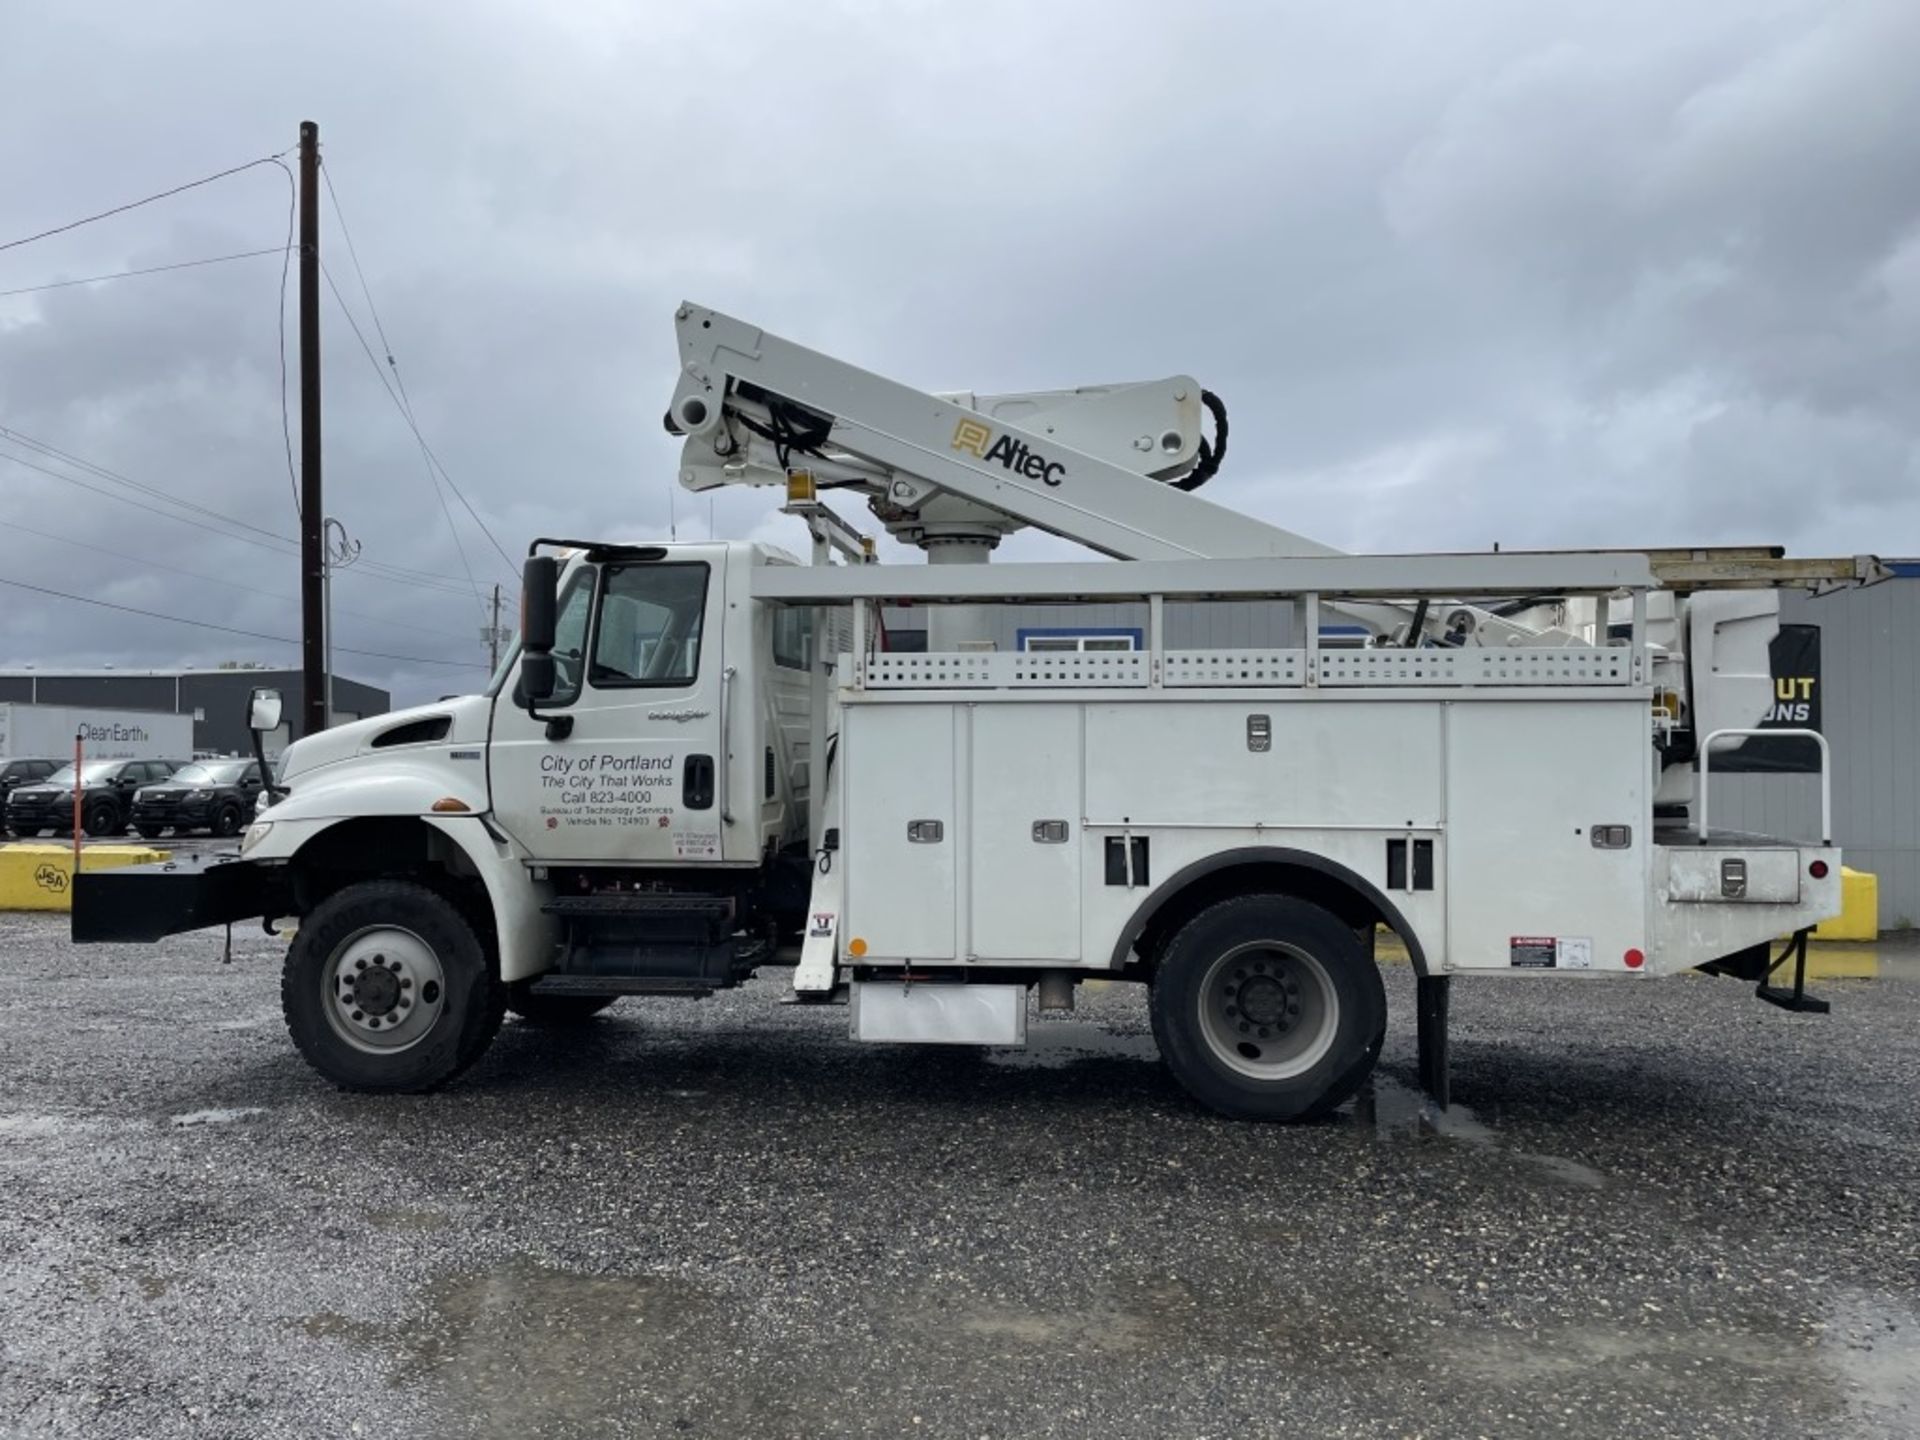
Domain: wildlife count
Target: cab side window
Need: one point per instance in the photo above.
(651, 616)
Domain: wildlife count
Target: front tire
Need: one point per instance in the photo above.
(102, 819)
(226, 823)
(387, 987)
(554, 1009)
(1265, 1007)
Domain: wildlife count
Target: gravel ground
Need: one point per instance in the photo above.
(1658, 1209)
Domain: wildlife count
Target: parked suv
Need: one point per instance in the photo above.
(106, 797)
(15, 773)
(215, 795)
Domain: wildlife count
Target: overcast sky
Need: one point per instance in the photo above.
(1538, 274)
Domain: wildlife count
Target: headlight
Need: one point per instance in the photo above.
(199, 794)
(255, 833)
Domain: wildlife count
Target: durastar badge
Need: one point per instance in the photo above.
(1015, 455)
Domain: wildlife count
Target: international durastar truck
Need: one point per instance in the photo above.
(703, 760)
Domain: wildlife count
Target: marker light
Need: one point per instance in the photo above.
(1818, 869)
(1635, 959)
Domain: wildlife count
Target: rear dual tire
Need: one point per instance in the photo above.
(1266, 1007)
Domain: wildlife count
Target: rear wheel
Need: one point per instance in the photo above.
(1266, 1007)
(554, 1009)
(387, 987)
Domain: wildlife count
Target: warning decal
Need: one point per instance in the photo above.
(1532, 952)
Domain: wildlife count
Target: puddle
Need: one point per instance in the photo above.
(1874, 1349)
(528, 1348)
(218, 1117)
(1397, 1112)
(1057, 1044)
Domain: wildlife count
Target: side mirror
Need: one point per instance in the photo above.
(539, 601)
(263, 712)
(537, 676)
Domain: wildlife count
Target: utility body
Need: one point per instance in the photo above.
(702, 760)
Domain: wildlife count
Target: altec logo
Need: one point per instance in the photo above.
(1015, 455)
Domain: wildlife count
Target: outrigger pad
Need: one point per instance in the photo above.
(1796, 998)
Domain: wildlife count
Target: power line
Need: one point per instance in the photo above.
(402, 401)
(136, 204)
(407, 415)
(230, 629)
(141, 505)
(153, 564)
(56, 453)
(399, 574)
(280, 315)
(149, 270)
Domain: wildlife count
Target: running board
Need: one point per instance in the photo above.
(687, 987)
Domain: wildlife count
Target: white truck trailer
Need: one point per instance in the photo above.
(702, 761)
(46, 732)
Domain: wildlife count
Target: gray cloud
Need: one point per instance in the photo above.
(1548, 275)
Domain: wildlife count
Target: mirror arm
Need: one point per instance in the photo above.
(266, 770)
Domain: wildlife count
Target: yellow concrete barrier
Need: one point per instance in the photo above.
(1859, 917)
(40, 877)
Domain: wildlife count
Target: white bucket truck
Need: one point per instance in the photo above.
(677, 780)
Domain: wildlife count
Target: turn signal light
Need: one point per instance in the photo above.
(448, 805)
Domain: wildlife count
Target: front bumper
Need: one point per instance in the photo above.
(143, 903)
(188, 814)
(57, 816)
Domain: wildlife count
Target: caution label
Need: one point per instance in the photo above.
(1532, 952)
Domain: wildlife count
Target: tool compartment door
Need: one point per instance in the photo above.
(1527, 887)
(900, 785)
(1023, 832)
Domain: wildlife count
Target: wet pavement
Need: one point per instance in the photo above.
(1659, 1209)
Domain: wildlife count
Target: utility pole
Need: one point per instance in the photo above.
(313, 648)
(341, 550)
(494, 635)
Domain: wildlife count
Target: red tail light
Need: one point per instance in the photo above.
(1818, 869)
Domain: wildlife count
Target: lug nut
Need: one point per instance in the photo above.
(406, 984)
(359, 964)
(358, 1016)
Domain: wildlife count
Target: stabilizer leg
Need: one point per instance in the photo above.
(1432, 994)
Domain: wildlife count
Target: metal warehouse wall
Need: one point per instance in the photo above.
(1870, 711)
(216, 698)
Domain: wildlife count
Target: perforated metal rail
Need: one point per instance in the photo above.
(1265, 669)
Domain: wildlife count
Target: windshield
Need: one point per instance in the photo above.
(218, 772)
(96, 771)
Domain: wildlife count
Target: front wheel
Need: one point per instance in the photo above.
(102, 819)
(226, 823)
(1265, 1007)
(388, 988)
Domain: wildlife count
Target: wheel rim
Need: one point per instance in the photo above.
(383, 989)
(1268, 1010)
